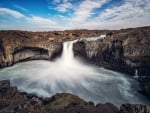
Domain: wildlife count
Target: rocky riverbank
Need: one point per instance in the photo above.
(13, 101)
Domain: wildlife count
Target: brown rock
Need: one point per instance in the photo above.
(130, 108)
(17, 46)
(124, 51)
(11, 101)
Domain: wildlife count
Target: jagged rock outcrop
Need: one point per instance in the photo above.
(130, 108)
(12, 101)
(124, 50)
(60, 101)
(16, 46)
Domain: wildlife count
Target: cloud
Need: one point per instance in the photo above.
(85, 14)
(121, 12)
(131, 13)
(64, 7)
(57, 1)
(60, 5)
(86, 8)
(20, 7)
(41, 22)
(29, 22)
(13, 13)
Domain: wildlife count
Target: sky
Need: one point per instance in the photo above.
(49, 15)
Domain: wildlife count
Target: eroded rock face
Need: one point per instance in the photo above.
(102, 108)
(124, 50)
(16, 46)
(11, 101)
(145, 85)
(60, 101)
(130, 108)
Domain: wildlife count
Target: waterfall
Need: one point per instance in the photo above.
(67, 54)
(71, 75)
(67, 59)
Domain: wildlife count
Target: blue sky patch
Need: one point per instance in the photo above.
(39, 15)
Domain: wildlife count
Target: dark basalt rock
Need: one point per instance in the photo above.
(12, 101)
(124, 51)
(130, 108)
(17, 46)
(61, 101)
(102, 108)
(145, 85)
(109, 55)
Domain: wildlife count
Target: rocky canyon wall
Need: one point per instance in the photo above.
(121, 50)
(17, 46)
(124, 51)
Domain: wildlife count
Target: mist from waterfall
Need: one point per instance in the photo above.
(71, 75)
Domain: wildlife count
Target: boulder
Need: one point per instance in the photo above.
(12, 101)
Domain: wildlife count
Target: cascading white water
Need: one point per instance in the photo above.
(68, 74)
(67, 56)
(67, 51)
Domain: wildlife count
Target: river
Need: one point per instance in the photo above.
(71, 75)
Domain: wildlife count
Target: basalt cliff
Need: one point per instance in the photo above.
(17, 46)
(124, 50)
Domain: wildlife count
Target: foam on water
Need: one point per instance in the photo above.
(68, 74)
